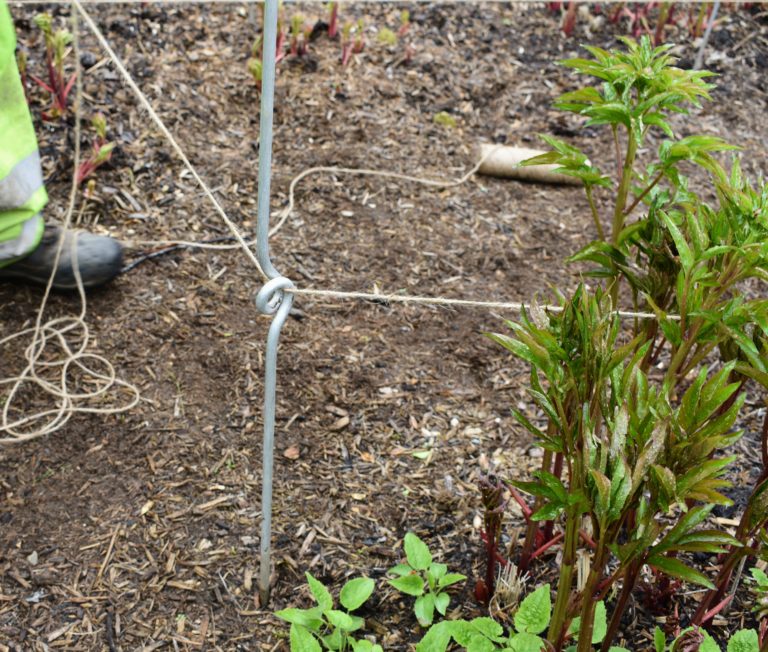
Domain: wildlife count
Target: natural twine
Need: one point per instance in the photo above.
(69, 403)
(286, 212)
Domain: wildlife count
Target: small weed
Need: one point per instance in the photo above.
(530, 620)
(359, 44)
(405, 23)
(326, 626)
(444, 119)
(352, 41)
(391, 38)
(387, 37)
(424, 579)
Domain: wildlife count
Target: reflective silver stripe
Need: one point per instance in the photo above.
(24, 242)
(21, 183)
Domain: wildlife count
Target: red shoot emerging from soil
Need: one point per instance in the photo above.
(299, 36)
(569, 22)
(405, 23)
(492, 493)
(280, 44)
(658, 596)
(101, 150)
(55, 51)
(346, 44)
(333, 20)
(359, 44)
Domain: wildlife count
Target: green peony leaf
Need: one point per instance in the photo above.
(534, 612)
(525, 642)
(744, 641)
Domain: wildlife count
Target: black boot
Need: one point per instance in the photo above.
(99, 259)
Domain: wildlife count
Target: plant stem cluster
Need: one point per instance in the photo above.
(639, 421)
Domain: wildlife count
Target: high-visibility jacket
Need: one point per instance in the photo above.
(22, 194)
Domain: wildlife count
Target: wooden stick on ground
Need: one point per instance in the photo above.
(504, 161)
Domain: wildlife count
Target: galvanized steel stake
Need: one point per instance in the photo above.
(699, 62)
(271, 299)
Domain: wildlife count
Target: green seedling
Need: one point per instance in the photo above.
(390, 38)
(424, 579)
(444, 119)
(350, 45)
(387, 37)
(325, 628)
(256, 68)
(255, 64)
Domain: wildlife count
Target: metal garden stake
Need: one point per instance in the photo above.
(272, 298)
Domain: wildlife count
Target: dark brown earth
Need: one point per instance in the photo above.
(140, 531)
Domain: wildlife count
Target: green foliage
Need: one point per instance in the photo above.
(256, 68)
(387, 36)
(486, 635)
(423, 579)
(640, 86)
(639, 89)
(643, 455)
(629, 449)
(444, 119)
(325, 628)
(534, 612)
(760, 591)
(745, 640)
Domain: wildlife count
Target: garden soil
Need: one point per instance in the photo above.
(140, 531)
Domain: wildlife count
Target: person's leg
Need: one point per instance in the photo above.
(28, 247)
(22, 194)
